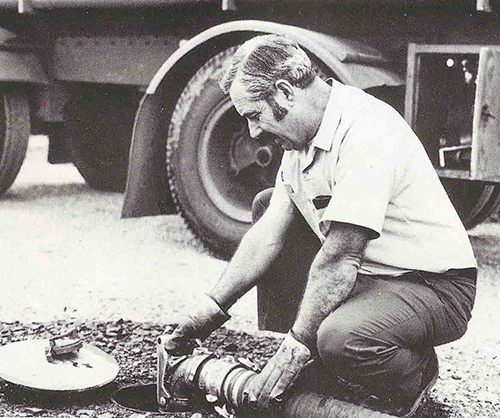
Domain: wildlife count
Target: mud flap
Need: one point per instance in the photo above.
(147, 192)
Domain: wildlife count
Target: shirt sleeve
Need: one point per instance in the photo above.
(280, 200)
(363, 179)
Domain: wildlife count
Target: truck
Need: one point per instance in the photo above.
(127, 91)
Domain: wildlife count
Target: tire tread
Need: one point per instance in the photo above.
(15, 137)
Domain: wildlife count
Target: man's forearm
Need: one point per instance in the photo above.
(331, 278)
(327, 287)
(256, 252)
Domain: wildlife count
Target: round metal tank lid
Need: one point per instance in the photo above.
(24, 363)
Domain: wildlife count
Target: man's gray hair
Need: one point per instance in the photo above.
(263, 60)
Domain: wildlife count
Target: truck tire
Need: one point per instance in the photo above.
(474, 202)
(98, 124)
(214, 168)
(15, 133)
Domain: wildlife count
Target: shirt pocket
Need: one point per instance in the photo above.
(321, 201)
(318, 191)
(304, 201)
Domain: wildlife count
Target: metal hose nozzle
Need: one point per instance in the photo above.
(187, 382)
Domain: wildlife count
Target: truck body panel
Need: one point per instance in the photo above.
(21, 67)
(19, 62)
(107, 58)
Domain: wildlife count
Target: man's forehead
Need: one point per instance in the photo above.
(243, 106)
(240, 101)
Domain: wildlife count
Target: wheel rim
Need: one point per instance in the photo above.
(253, 164)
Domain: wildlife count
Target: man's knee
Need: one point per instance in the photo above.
(348, 352)
(334, 338)
(348, 342)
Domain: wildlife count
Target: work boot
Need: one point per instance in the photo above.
(407, 408)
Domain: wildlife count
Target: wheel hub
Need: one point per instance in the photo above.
(264, 156)
(246, 151)
(234, 167)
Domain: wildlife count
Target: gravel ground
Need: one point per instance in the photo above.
(68, 258)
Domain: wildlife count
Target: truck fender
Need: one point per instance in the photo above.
(353, 62)
(147, 190)
(18, 62)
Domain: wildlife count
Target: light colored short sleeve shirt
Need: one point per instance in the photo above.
(366, 167)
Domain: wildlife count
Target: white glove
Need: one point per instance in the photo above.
(267, 388)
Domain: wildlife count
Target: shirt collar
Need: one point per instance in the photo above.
(331, 119)
(328, 127)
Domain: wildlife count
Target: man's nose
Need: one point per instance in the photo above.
(254, 129)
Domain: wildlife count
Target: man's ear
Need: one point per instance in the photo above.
(285, 88)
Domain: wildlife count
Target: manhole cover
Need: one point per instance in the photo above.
(24, 363)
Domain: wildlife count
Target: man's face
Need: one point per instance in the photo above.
(276, 119)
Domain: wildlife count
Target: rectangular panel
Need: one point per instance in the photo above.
(131, 60)
(485, 159)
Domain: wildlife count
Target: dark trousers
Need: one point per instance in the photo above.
(383, 335)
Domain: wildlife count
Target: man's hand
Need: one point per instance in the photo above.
(205, 318)
(268, 387)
